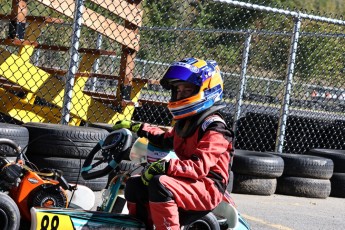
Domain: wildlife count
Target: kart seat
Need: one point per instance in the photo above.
(187, 217)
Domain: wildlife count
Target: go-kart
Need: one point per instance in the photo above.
(23, 186)
(111, 213)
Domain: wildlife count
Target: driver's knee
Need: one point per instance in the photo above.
(157, 191)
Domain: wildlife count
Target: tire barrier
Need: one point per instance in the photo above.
(338, 178)
(65, 148)
(306, 187)
(338, 157)
(257, 164)
(256, 172)
(17, 133)
(305, 175)
(297, 165)
(247, 184)
(106, 126)
(338, 185)
(54, 140)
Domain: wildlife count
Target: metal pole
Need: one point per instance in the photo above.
(72, 69)
(284, 112)
(243, 80)
(37, 57)
(96, 64)
(144, 69)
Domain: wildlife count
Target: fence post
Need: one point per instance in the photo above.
(74, 58)
(243, 80)
(284, 111)
(144, 69)
(96, 64)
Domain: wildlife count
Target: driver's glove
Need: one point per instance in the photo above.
(133, 126)
(155, 168)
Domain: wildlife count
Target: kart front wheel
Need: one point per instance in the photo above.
(9, 213)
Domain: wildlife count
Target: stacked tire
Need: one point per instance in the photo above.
(305, 176)
(338, 177)
(16, 133)
(256, 172)
(65, 148)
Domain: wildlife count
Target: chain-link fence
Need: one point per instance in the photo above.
(88, 61)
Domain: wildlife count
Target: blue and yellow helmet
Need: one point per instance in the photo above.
(204, 74)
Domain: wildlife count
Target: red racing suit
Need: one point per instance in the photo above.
(203, 164)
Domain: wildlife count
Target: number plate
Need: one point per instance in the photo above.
(53, 221)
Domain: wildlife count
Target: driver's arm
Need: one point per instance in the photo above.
(158, 137)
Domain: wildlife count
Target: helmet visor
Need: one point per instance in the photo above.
(181, 72)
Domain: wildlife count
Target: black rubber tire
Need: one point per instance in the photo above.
(106, 126)
(71, 170)
(304, 187)
(247, 184)
(53, 140)
(297, 165)
(109, 128)
(16, 133)
(257, 164)
(209, 221)
(338, 185)
(9, 213)
(338, 157)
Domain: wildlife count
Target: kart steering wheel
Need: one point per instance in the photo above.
(114, 147)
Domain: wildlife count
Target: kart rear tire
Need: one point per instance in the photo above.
(209, 221)
(9, 213)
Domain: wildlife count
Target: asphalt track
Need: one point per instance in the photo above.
(288, 212)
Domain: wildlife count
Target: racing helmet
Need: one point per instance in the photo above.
(205, 75)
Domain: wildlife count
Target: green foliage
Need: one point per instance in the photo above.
(161, 13)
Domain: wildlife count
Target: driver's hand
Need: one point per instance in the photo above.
(133, 126)
(156, 168)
